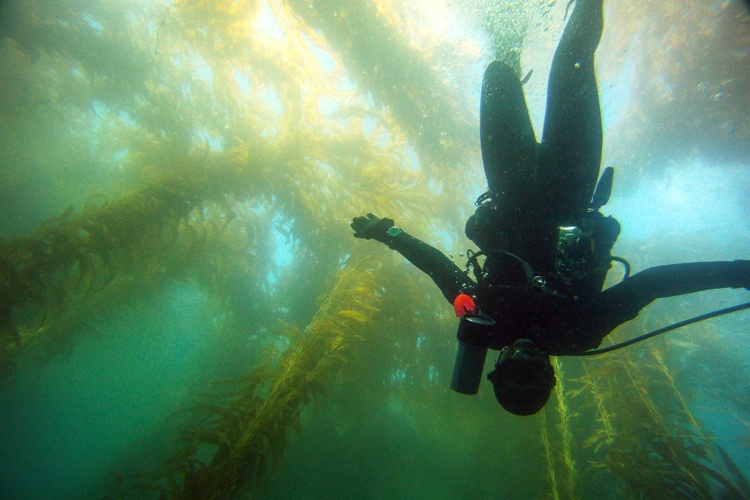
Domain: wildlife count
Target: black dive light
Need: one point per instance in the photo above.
(473, 339)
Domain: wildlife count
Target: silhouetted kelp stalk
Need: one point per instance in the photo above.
(242, 438)
(562, 475)
(550, 460)
(571, 475)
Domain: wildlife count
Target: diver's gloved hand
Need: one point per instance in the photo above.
(372, 227)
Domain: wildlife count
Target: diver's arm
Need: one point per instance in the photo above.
(451, 279)
(624, 301)
(447, 275)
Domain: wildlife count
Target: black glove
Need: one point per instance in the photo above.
(371, 227)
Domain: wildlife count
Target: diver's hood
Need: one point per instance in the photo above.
(523, 378)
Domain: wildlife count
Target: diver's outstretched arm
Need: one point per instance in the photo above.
(451, 279)
(625, 300)
(444, 272)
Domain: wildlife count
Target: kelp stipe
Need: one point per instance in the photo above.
(566, 437)
(557, 438)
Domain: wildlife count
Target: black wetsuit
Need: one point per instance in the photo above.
(536, 188)
(562, 325)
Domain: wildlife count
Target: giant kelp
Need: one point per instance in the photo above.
(242, 437)
(86, 251)
(402, 77)
(633, 422)
(76, 255)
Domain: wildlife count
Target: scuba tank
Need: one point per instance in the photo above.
(473, 338)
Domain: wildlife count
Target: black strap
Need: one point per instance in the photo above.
(535, 279)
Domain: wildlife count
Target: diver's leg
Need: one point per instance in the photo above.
(507, 137)
(572, 138)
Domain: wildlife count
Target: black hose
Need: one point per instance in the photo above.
(624, 263)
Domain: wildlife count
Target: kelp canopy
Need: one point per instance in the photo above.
(183, 310)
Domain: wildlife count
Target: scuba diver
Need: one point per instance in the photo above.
(546, 246)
